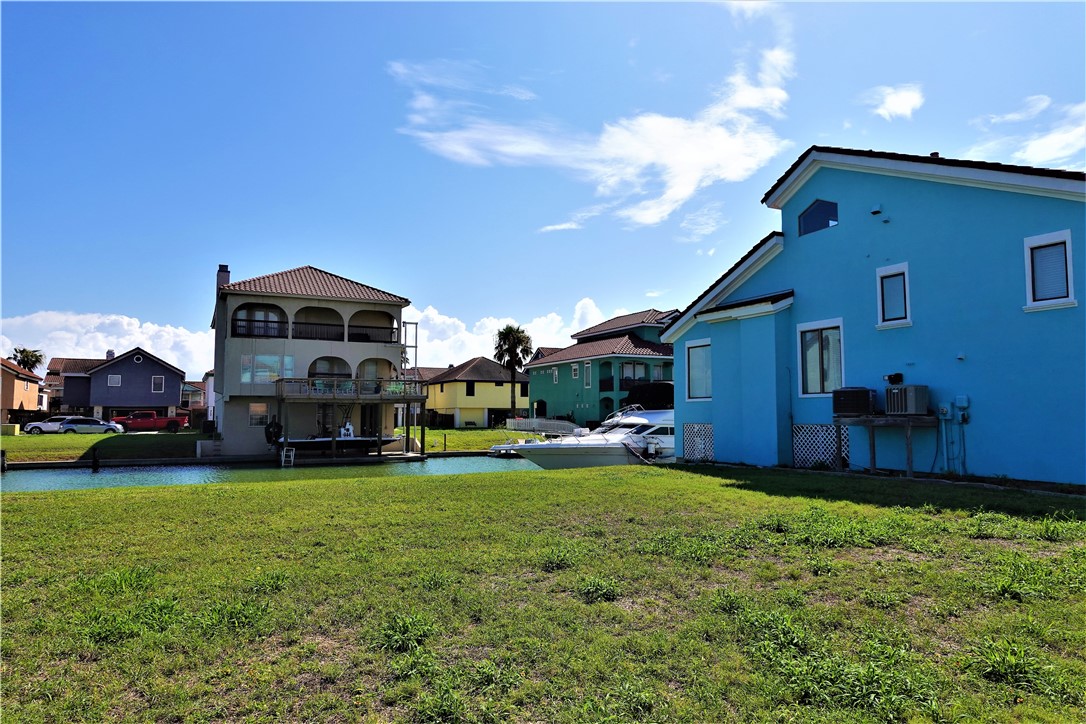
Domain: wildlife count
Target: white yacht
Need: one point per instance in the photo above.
(630, 436)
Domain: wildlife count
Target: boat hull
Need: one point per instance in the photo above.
(560, 457)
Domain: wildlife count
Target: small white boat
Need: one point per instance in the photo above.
(630, 436)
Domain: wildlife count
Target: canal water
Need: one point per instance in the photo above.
(79, 478)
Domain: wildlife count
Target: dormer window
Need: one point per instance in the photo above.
(819, 215)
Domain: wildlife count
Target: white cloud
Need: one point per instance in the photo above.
(1060, 143)
(67, 334)
(455, 75)
(444, 341)
(632, 158)
(1032, 107)
(702, 222)
(892, 102)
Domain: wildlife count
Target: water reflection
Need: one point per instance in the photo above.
(76, 479)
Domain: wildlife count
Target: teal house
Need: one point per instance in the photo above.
(915, 313)
(589, 380)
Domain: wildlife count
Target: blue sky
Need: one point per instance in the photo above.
(548, 165)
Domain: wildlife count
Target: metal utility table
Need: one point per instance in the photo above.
(908, 422)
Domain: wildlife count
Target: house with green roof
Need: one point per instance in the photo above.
(592, 378)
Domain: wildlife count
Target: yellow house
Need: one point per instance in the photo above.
(473, 394)
(18, 389)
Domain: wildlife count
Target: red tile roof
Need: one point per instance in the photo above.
(629, 345)
(308, 281)
(627, 321)
(18, 371)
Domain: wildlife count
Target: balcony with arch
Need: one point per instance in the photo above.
(259, 320)
(373, 326)
(318, 323)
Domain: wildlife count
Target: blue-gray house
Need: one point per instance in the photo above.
(916, 313)
(119, 384)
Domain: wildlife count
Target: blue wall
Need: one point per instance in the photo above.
(1023, 372)
(135, 389)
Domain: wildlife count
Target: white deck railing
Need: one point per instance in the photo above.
(535, 424)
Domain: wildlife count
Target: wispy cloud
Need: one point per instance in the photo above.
(1056, 136)
(702, 222)
(892, 102)
(457, 75)
(650, 164)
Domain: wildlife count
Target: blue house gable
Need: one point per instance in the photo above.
(135, 380)
(934, 304)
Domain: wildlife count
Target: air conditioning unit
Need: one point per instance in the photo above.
(853, 401)
(907, 400)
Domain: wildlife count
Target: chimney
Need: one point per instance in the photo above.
(110, 354)
(223, 276)
(934, 154)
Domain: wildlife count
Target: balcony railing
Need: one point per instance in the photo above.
(258, 328)
(359, 333)
(323, 389)
(318, 330)
(607, 384)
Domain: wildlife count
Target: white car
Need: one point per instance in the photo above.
(50, 424)
(88, 424)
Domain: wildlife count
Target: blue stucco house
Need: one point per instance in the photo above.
(923, 311)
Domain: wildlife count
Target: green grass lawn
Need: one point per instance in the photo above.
(593, 595)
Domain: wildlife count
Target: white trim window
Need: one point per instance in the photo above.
(1049, 280)
(699, 370)
(894, 300)
(587, 375)
(575, 370)
(113, 381)
(158, 383)
(821, 357)
(554, 373)
(258, 414)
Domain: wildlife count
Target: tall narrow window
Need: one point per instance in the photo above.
(1049, 281)
(893, 296)
(158, 383)
(587, 374)
(554, 372)
(699, 377)
(820, 355)
(470, 392)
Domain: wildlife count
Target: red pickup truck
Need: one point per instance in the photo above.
(146, 421)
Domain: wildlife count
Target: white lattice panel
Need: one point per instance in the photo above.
(698, 442)
(816, 446)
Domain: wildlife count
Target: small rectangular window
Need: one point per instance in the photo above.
(470, 389)
(893, 296)
(699, 372)
(258, 414)
(575, 370)
(819, 215)
(113, 381)
(1049, 279)
(158, 383)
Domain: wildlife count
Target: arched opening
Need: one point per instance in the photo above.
(372, 326)
(541, 408)
(330, 367)
(259, 320)
(318, 323)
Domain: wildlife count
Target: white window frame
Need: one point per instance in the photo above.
(888, 271)
(1033, 242)
(587, 375)
(575, 369)
(704, 342)
(256, 418)
(554, 373)
(113, 380)
(161, 380)
(837, 322)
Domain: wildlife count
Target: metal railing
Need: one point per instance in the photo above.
(536, 424)
(318, 330)
(258, 328)
(355, 390)
(361, 333)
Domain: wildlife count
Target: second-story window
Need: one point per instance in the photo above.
(471, 389)
(158, 383)
(819, 215)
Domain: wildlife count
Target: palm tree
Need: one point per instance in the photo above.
(512, 348)
(28, 359)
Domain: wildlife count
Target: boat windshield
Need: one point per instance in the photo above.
(630, 428)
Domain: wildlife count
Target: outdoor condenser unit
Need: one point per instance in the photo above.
(907, 400)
